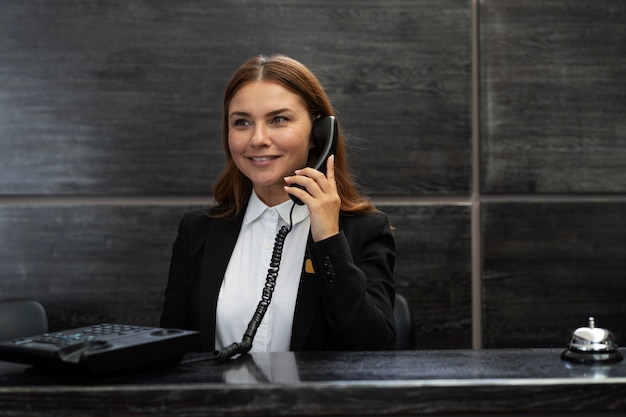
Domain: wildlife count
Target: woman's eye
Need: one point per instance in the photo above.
(279, 119)
(240, 123)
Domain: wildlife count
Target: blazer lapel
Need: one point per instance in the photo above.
(221, 239)
(220, 242)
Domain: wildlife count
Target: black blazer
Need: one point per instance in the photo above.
(346, 304)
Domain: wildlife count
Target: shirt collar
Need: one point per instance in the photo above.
(256, 207)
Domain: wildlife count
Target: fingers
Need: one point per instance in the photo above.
(314, 181)
(321, 197)
(330, 169)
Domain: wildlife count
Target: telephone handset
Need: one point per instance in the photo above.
(324, 136)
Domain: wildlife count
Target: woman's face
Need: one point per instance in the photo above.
(268, 136)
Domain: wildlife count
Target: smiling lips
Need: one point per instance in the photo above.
(262, 160)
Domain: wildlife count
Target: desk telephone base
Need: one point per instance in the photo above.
(101, 348)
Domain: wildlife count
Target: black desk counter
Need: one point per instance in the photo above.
(445, 383)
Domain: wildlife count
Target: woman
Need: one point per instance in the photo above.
(333, 287)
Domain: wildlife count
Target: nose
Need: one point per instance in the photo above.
(260, 136)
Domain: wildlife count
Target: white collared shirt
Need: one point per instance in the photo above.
(245, 277)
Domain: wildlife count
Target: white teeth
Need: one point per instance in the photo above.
(261, 159)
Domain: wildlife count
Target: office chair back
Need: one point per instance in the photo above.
(404, 327)
(21, 318)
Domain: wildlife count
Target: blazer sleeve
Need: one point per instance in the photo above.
(184, 272)
(355, 272)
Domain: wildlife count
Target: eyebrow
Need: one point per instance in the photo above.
(246, 114)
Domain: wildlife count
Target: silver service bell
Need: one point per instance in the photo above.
(592, 345)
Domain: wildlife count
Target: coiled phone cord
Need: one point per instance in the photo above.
(266, 297)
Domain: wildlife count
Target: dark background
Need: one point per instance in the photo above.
(491, 132)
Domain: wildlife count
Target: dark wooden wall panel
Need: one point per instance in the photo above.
(433, 271)
(123, 97)
(553, 96)
(548, 267)
(88, 264)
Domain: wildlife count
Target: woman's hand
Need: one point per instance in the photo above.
(321, 198)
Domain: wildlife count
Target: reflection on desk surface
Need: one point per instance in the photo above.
(430, 367)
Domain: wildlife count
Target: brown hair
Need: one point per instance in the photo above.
(232, 189)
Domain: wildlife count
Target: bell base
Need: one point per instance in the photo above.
(591, 357)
